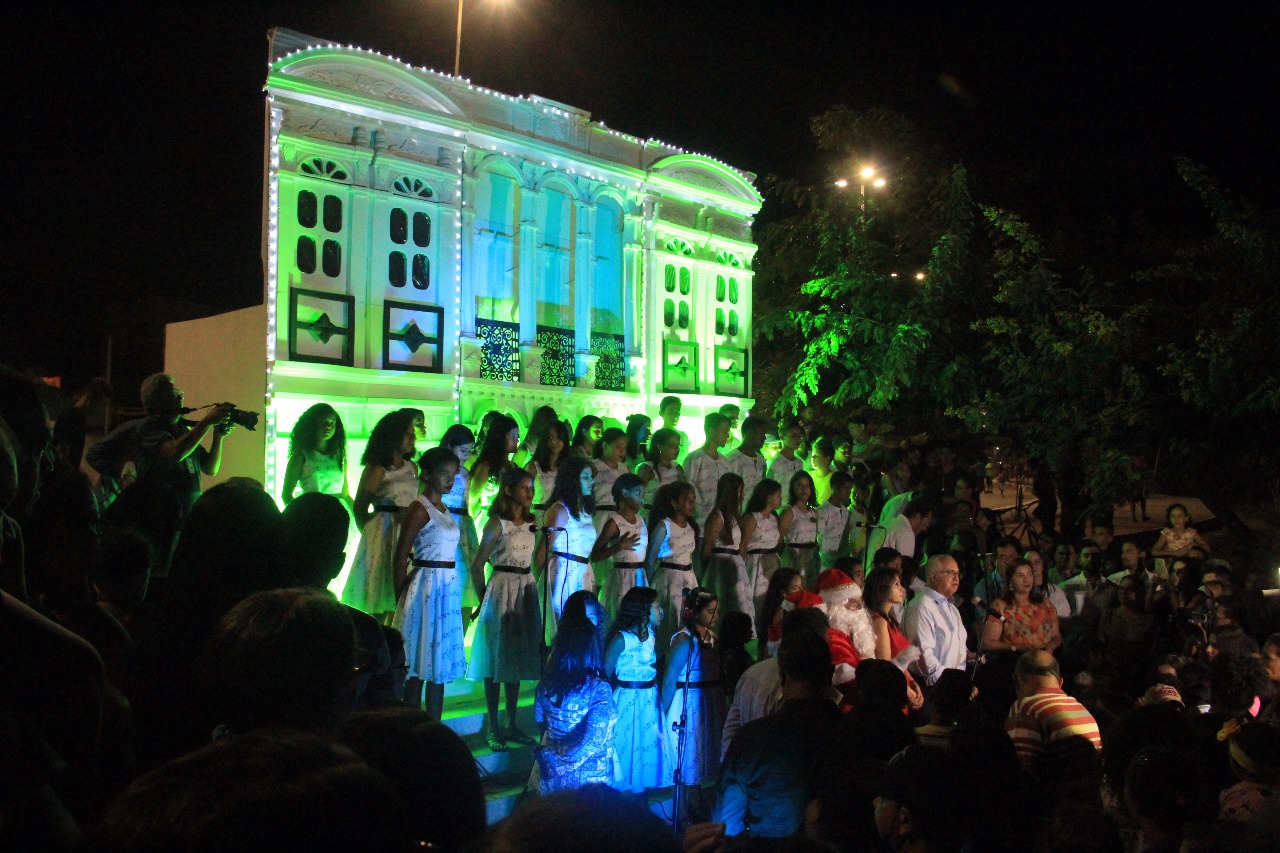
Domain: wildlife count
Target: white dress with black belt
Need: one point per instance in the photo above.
(673, 575)
(625, 570)
(507, 644)
(569, 564)
(429, 614)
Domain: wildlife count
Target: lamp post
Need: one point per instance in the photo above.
(457, 43)
(867, 174)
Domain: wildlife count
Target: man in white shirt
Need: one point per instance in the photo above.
(747, 461)
(934, 624)
(759, 690)
(834, 518)
(704, 466)
(1132, 561)
(990, 585)
(901, 533)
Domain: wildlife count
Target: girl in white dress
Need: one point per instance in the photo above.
(660, 468)
(630, 663)
(608, 467)
(543, 418)
(566, 548)
(506, 647)
(462, 441)
(694, 673)
(388, 485)
(760, 539)
(673, 541)
(546, 459)
(638, 429)
(798, 527)
(726, 571)
(318, 463)
(623, 543)
(586, 435)
(429, 592)
(497, 443)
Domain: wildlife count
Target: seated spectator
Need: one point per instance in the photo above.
(123, 572)
(951, 697)
(1045, 722)
(1255, 760)
(282, 658)
(313, 539)
(759, 690)
(591, 819)
(266, 791)
(770, 771)
(918, 806)
(1165, 794)
(879, 727)
(735, 633)
(407, 747)
(1229, 637)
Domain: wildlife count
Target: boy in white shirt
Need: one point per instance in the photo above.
(835, 521)
(788, 460)
(704, 466)
(746, 460)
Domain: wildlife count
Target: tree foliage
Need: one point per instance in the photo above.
(1165, 377)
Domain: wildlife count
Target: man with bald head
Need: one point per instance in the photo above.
(1046, 723)
(934, 624)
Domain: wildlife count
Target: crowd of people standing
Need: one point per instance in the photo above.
(809, 636)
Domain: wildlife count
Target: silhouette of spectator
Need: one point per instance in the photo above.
(282, 658)
(408, 748)
(267, 791)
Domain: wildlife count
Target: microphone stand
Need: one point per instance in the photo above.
(546, 593)
(681, 727)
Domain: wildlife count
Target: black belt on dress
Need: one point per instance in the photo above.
(694, 685)
(387, 509)
(760, 551)
(684, 567)
(802, 545)
(620, 565)
(513, 570)
(436, 564)
(460, 511)
(733, 552)
(637, 685)
(573, 557)
(606, 509)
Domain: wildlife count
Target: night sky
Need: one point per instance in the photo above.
(133, 145)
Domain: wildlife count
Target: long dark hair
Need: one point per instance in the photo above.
(610, 435)
(638, 425)
(664, 505)
(456, 436)
(307, 430)
(760, 495)
(542, 454)
(656, 443)
(633, 612)
(543, 417)
(575, 657)
(813, 491)
(493, 452)
(728, 492)
(580, 434)
(568, 487)
(875, 591)
(773, 595)
(503, 505)
(384, 443)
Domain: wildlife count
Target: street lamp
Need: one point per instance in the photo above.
(457, 43)
(866, 175)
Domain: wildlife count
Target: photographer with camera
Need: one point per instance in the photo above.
(169, 447)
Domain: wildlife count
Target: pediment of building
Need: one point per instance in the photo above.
(370, 75)
(705, 172)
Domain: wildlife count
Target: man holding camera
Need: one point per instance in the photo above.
(169, 448)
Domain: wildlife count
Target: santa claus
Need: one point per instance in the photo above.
(850, 634)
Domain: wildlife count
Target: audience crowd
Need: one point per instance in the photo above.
(814, 642)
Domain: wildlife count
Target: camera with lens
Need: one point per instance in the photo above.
(240, 417)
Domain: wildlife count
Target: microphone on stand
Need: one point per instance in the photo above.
(868, 524)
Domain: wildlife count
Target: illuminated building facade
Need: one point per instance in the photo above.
(431, 243)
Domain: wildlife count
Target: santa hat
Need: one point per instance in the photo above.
(836, 587)
(800, 598)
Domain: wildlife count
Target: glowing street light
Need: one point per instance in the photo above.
(919, 276)
(866, 175)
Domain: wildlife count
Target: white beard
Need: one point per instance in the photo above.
(856, 625)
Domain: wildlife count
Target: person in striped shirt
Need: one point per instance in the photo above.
(1045, 721)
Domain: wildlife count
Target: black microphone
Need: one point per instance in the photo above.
(978, 602)
(552, 529)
